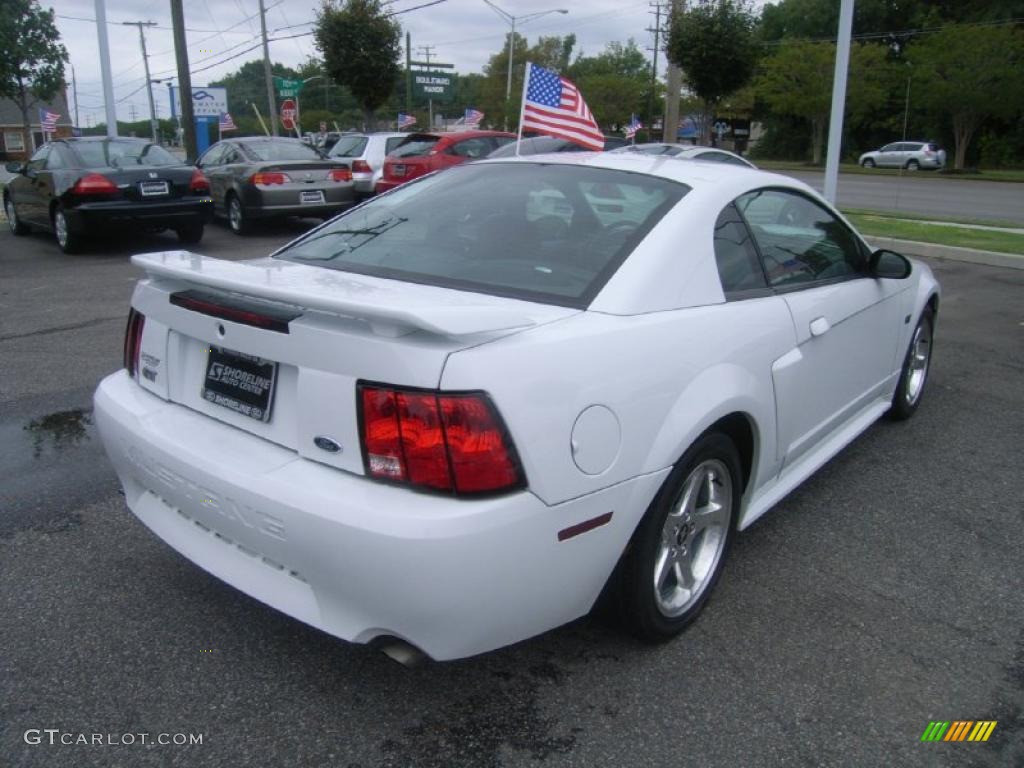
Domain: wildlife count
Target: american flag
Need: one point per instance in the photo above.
(406, 121)
(473, 118)
(555, 107)
(48, 120)
(226, 123)
(634, 126)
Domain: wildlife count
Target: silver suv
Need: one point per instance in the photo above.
(911, 155)
(366, 151)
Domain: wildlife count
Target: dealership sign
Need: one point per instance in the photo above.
(432, 85)
(206, 101)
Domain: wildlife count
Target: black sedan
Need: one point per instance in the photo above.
(83, 186)
(257, 177)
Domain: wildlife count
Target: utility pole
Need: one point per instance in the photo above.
(408, 75)
(149, 85)
(131, 111)
(656, 29)
(74, 90)
(108, 81)
(675, 80)
(427, 51)
(188, 121)
(835, 125)
(271, 101)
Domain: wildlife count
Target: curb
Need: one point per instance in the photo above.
(949, 252)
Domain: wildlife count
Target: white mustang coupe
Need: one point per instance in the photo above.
(457, 415)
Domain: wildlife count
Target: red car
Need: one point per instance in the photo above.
(422, 153)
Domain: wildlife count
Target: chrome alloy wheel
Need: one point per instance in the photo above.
(917, 362)
(12, 216)
(693, 538)
(235, 213)
(60, 227)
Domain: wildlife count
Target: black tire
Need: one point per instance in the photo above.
(190, 233)
(67, 241)
(868, 163)
(639, 596)
(18, 227)
(237, 218)
(910, 390)
(913, 165)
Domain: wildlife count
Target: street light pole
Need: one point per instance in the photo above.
(512, 21)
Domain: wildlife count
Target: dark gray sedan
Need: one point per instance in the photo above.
(258, 177)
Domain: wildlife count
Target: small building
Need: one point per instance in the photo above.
(12, 137)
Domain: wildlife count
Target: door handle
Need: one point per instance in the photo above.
(819, 326)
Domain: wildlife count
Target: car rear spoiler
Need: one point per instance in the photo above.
(390, 312)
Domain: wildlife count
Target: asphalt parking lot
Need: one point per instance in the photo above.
(884, 593)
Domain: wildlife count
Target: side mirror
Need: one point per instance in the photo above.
(889, 265)
(15, 167)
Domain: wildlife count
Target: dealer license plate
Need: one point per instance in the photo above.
(312, 196)
(153, 188)
(241, 383)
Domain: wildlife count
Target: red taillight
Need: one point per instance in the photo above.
(449, 442)
(94, 184)
(340, 174)
(133, 341)
(199, 184)
(361, 166)
(268, 178)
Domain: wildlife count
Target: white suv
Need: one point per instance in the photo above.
(367, 152)
(911, 155)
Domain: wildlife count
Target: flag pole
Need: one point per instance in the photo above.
(522, 106)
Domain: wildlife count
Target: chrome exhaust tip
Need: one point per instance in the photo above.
(399, 650)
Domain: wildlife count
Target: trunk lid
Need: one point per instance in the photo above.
(331, 329)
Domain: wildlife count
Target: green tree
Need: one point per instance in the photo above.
(714, 44)
(615, 82)
(32, 65)
(247, 86)
(360, 44)
(797, 81)
(969, 75)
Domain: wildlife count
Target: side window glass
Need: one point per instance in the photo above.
(230, 156)
(471, 148)
(392, 144)
(735, 254)
(38, 160)
(889, 148)
(56, 159)
(800, 241)
(212, 156)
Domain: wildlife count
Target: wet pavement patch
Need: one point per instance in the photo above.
(59, 431)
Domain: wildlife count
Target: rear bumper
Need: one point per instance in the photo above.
(363, 183)
(95, 216)
(385, 185)
(285, 200)
(353, 557)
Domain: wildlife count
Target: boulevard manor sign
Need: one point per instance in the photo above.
(433, 85)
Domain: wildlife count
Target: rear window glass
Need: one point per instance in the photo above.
(280, 150)
(122, 154)
(548, 233)
(415, 148)
(390, 144)
(349, 146)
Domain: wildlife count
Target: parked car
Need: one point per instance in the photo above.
(688, 152)
(537, 145)
(366, 153)
(451, 419)
(422, 153)
(79, 187)
(258, 177)
(912, 155)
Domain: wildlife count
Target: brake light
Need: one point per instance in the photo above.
(133, 341)
(444, 441)
(94, 184)
(199, 184)
(269, 178)
(361, 166)
(339, 174)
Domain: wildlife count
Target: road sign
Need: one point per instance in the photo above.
(433, 86)
(286, 88)
(206, 101)
(288, 114)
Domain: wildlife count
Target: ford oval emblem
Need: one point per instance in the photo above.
(327, 444)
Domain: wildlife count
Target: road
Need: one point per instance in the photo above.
(926, 193)
(884, 593)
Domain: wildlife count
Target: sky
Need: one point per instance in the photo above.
(463, 32)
